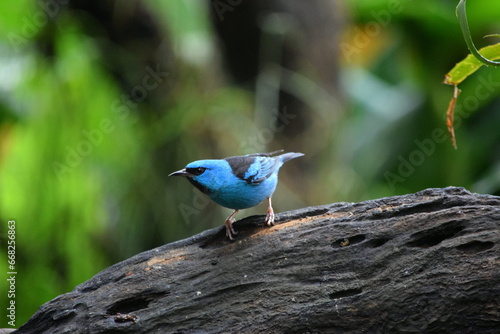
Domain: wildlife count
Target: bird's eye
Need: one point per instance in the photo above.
(196, 170)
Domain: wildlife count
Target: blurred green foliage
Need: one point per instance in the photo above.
(77, 159)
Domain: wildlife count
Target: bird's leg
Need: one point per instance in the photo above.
(270, 213)
(229, 225)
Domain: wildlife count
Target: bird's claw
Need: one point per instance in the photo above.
(230, 232)
(270, 217)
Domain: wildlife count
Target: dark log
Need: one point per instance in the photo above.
(421, 263)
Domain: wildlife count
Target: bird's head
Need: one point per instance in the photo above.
(206, 175)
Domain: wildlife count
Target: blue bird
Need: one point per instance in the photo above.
(238, 182)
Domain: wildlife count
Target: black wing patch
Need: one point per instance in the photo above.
(253, 168)
(240, 165)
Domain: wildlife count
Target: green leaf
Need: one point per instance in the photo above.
(471, 64)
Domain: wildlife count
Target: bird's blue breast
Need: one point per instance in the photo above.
(239, 194)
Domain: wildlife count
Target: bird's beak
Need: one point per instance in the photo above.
(181, 172)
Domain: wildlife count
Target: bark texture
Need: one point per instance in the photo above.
(421, 263)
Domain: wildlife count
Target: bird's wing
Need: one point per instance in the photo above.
(253, 168)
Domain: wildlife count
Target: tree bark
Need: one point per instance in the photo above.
(420, 263)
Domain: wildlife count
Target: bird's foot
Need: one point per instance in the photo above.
(270, 216)
(230, 232)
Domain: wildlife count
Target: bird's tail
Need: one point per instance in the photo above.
(284, 157)
(289, 156)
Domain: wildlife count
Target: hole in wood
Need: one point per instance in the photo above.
(436, 235)
(374, 243)
(349, 241)
(346, 293)
(475, 246)
(129, 305)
